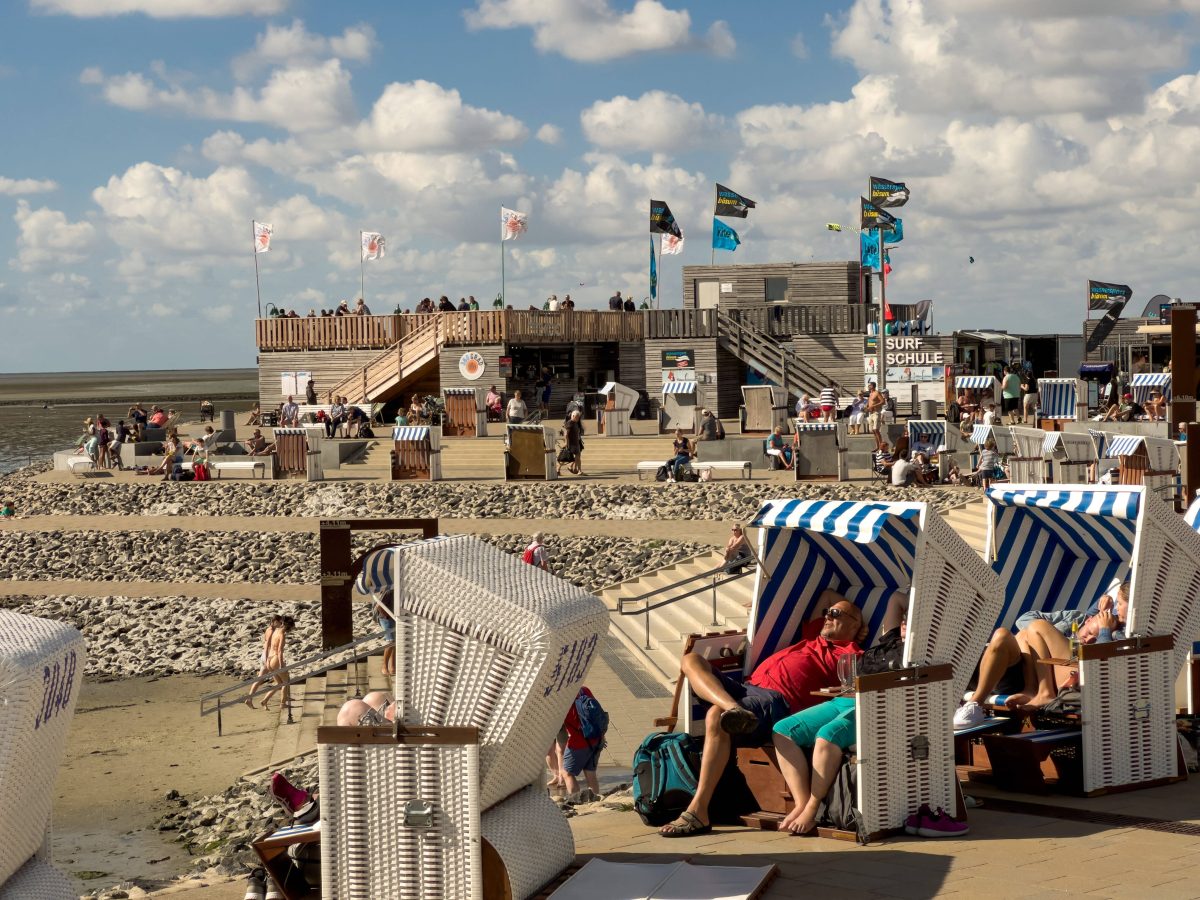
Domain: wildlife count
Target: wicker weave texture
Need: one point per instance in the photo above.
(38, 880)
(1128, 720)
(1165, 586)
(955, 602)
(41, 668)
(367, 849)
(485, 640)
(532, 837)
(1028, 467)
(891, 783)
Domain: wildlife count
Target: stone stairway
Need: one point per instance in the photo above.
(468, 457)
(374, 462)
(670, 625)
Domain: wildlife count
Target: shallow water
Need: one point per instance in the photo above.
(31, 433)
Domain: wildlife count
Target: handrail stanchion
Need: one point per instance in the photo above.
(715, 623)
(646, 613)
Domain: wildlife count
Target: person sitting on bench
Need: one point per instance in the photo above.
(1009, 664)
(743, 713)
(682, 453)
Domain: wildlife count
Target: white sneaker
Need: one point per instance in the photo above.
(969, 715)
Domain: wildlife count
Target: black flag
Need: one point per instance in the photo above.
(1103, 295)
(886, 193)
(732, 204)
(874, 217)
(661, 219)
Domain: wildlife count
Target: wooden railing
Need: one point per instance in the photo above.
(478, 327)
(784, 367)
(418, 346)
(816, 318)
(681, 323)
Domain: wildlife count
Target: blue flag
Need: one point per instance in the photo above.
(868, 242)
(724, 237)
(653, 271)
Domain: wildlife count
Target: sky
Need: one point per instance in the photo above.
(1052, 141)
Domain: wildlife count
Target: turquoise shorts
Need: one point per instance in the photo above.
(832, 721)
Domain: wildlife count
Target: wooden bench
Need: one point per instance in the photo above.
(744, 466)
(306, 411)
(239, 465)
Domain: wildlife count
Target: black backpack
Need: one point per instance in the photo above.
(839, 809)
(662, 474)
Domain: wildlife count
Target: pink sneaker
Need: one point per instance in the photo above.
(931, 824)
(290, 797)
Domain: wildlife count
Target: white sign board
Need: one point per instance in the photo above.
(726, 287)
(287, 384)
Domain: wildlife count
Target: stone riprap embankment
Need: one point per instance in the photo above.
(726, 501)
(130, 637)
(195, 557)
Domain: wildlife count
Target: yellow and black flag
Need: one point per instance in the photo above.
(886, 193)
(662, 221)
(874, 217)
(732, 204)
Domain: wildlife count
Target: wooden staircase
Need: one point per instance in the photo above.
(406, 360)
(970, 521)
(757, 348)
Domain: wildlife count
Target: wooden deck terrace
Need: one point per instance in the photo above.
(537, 327)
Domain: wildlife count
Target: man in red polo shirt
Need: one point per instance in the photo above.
(743, 714)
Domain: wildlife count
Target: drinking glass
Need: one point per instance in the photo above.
(847, 669)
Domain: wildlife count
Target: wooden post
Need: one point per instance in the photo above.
(1183, 394)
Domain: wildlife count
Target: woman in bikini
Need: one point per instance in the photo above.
(276, 663)
(263, 668)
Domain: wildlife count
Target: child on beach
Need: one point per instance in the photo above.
(6, 510)
(586, 723)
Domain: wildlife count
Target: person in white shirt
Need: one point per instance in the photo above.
(902, 470)
(516, 410)
(829, 402)
(553, 303)
(804, 407)
(989, 416)
(290, 413)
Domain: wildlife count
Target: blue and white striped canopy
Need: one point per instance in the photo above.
(1051, 441)
(1001, 435)
(410, 433)
(376, 574)
(282, 431)
(1141, 384)
(976, 382)
(679, 387)
(1057, 397)
(1123, 444)
(1059, 549)
(864, 551)
(815, 426)
(458, 390)
(1100, 439)
(1192, 516)
(933, 430)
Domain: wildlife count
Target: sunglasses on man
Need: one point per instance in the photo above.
(835, 613)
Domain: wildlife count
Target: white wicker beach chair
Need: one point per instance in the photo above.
(41, 669)
(1063, 399)
(1152, 461)
(1001, 434)
(1062, 549)
(38, 880)
(529, 453)
(1028, 463)
(1072, 453)
(868, 552)
(484, 640)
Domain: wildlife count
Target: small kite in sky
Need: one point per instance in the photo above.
(833, 226)
(971, 260)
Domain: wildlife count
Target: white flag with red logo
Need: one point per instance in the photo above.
(512, 224)
(672, 244)
(262, 237)
(372, 245)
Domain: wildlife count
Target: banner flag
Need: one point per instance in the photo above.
(262, 237)
(897, 233)
(732, 204)
(672, 244)
(1103, 295)
(513, 224)
(874, 217)
(724, 237)
(885, 193)
(373, 245)
(833, 226)
(868, 242)
(661, 219)
(653, 272)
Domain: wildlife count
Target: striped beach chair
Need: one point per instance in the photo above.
(529, 453)
(1028, 462)
(484, 642)
(869, 552)
(986, 387)
(1062, 399)
(1143, 383)
(1001, 434)
(1062, 549)
(1072, 453)
(41, 669)
(1152, 461)
(466, 411)
(416, 453)
(1192, 671)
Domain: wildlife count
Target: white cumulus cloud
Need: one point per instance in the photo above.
(160, 9)
(293, 44)
(549, 134)
(421, 115)
(13, 187)
(656, 121)
(592, 31)
(46, 238)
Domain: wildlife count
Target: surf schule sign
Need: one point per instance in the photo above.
(911, 351)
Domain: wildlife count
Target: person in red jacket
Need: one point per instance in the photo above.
(580, 755)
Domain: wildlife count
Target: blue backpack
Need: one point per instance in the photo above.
(593, 720)
(665, 768)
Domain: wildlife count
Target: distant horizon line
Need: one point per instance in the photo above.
(133, 371)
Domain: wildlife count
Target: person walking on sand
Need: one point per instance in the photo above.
(263, 668)
(277, 664)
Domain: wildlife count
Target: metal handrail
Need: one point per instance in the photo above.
(208, 707)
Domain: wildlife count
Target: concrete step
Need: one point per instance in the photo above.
(308, 700)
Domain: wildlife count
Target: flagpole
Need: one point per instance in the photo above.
(257, 286)
(362, 278)
(503, 296)
(881, 374)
